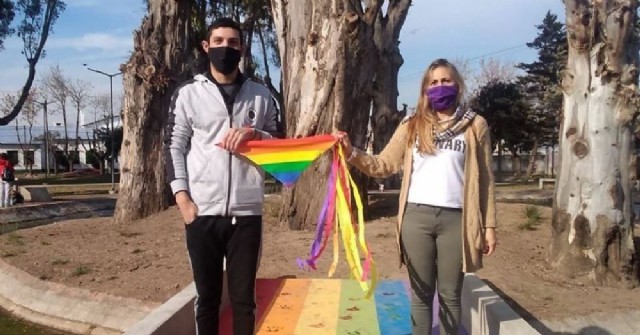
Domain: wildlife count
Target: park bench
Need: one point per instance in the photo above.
(35, 193)
(541, 181)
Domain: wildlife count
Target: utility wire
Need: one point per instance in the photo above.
(519, 46)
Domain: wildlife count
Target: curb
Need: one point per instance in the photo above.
(68, 309)
(486, 313)
(20, 217)
(176, 316)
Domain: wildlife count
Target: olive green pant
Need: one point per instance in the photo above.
(431, 239)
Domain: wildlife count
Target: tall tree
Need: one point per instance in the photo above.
(592, 223)
(25, 133)
(55, 85)
(160, 61)
(385, 114)
(38, 17)
(7, 13)
(494, 70)
(542, 82)
(101, 129)
(329, 63)
(79, 94)
(506, 111)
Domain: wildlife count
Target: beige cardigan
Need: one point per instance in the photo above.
(479, 198)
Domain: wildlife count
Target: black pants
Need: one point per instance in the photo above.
(209, 240)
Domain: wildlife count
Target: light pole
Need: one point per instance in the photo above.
(113, 147)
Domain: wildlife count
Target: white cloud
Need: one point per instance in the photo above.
(93, 41)
(84, 3)
(129, 8)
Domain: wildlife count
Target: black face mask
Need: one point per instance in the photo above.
(224, 59)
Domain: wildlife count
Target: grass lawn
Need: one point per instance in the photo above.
(12, 326)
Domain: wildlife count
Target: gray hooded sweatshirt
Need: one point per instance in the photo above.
(219, 182)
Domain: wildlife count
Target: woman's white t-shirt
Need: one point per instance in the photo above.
(438, 180)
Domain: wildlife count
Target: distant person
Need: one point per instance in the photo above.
(446, 217)
(7, 177)
(220, 195)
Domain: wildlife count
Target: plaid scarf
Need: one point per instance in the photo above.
(462, 119)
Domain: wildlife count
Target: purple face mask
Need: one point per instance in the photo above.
(442, 97)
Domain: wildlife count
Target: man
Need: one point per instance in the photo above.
(7, 177)
(219, 194)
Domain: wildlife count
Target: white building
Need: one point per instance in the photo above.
(24, 146)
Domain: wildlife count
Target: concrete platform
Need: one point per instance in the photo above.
(35, 193)
(337, 307)
(68, 309)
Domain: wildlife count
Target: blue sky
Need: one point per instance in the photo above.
(99, 33)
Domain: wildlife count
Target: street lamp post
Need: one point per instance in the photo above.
(113, 149)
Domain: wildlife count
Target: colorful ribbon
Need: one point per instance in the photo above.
(286, 159)
(336, 220)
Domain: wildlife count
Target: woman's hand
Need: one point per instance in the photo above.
(343, 138)
(490, 241)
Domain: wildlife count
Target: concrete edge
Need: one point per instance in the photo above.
(73, 310)
(176, 316)
(26, 216)
(486, 313)
(172, 317)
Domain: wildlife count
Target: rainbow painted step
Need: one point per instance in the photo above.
(330, 307)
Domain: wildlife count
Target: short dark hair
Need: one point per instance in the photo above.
(4, 156)
(225, 22)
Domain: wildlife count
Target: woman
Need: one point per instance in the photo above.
(7, 177)
(446, 217)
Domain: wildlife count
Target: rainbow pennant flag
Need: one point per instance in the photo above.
(286, 159)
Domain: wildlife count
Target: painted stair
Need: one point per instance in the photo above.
(330, 306)
(289, 306)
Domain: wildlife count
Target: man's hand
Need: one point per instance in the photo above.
(490, 241)
(237, 136)
(188, 209)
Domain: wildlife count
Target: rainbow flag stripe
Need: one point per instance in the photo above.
(289, 306)
(286, 159)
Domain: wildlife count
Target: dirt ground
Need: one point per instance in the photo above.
(148, 259)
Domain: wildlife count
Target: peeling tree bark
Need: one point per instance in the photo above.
(385, 115)
(532, 158)
(159, 63)
(328, 63)
(592, 213)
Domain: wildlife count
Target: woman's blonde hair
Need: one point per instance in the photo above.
(424, 120)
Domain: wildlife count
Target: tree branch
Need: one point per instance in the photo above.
(396, 15)
(50, 16)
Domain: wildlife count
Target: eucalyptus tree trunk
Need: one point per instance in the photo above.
(385, 116)
(592, 212)
(533, 156)
(328, 64)
(159, 63)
